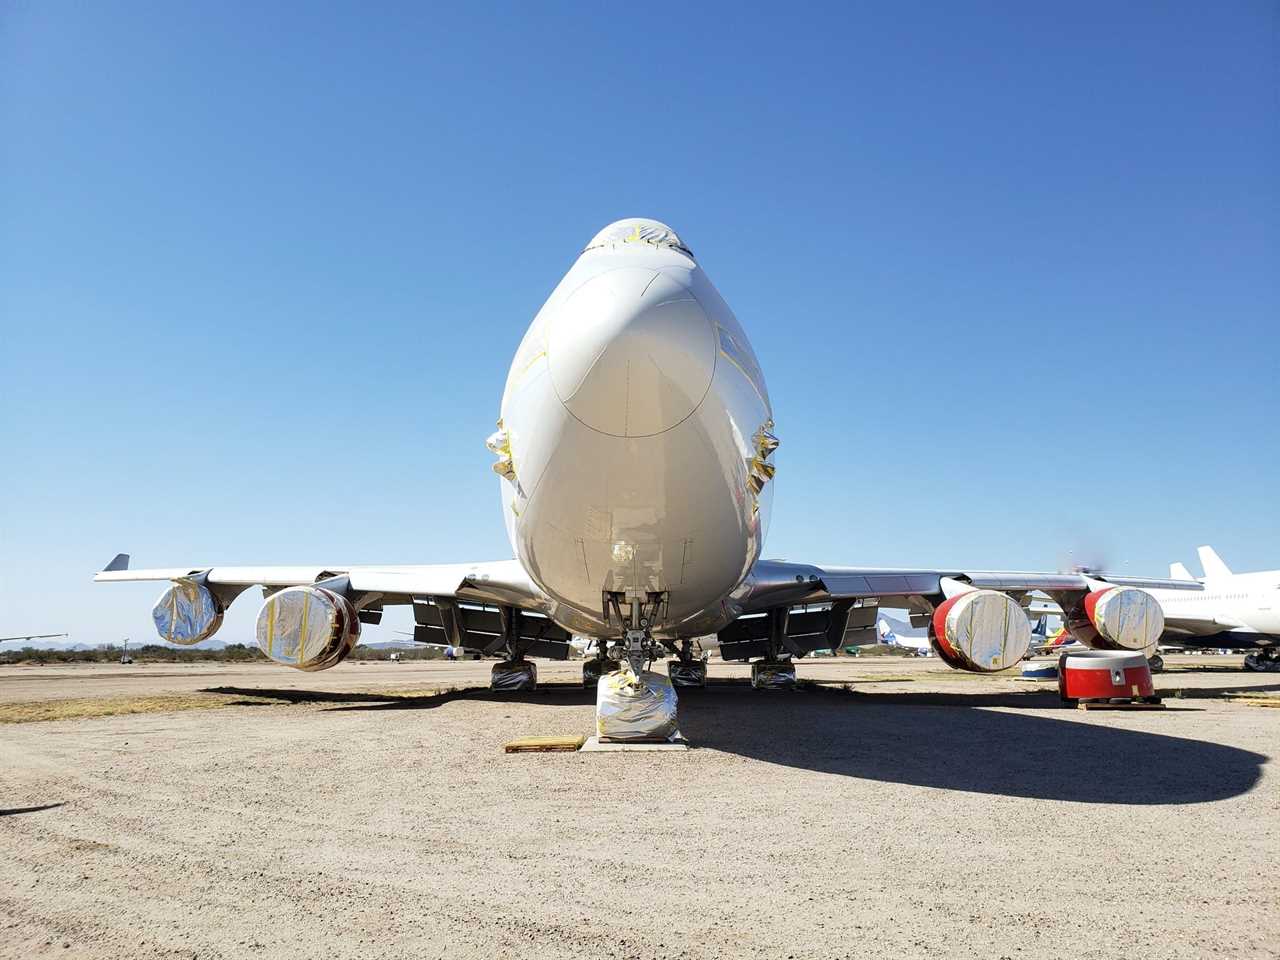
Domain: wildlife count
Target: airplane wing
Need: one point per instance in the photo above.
(499, 581)
(453, 604)
(775, 582)
(847, 599)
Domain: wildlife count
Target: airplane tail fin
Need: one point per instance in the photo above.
(1178, 571)
(1212, 563)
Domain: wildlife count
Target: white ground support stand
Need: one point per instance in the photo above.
(596, 745)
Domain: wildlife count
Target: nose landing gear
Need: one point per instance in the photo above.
(635, 704)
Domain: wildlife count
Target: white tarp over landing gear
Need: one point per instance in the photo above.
(636, 708)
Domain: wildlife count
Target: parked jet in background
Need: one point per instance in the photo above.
(1233, 610)
(899, 633)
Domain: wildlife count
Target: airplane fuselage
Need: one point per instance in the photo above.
(630, 420)
(1229, 610)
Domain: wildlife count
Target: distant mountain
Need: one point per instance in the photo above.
(73, 645)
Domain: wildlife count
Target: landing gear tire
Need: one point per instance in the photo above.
(690, 674)
(514, 676)
(594, 669)
(1262, 663)
(773, 675)
(1156, 663)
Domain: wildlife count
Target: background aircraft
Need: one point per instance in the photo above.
(893, 632)
(1233, 610)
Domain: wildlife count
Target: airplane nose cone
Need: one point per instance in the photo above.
(632, 353)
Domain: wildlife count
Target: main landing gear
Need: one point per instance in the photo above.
(598, 666)
(514, 674)
(1265, 660)
(686, 670)
(773, 675)
(775, 671)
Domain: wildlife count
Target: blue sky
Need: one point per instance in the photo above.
(1012, 270)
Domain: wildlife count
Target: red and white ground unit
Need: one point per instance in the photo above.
(1105, 675)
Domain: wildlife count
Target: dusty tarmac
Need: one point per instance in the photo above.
(926, 813)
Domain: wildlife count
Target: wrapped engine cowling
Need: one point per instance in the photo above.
(981, 631)
(187, 613)
(308, 628)
(635, 708)
(1121, 618)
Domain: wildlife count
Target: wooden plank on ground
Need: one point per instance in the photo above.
(1257, 700)
(545, 745)
(1107, 705)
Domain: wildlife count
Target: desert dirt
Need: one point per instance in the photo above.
(359, 813)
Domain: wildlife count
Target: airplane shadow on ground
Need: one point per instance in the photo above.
(922, 739)
(942, 741)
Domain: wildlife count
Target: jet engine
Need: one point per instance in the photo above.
(187, 613)
(308, 628)
(1117, 618)
(980, 631)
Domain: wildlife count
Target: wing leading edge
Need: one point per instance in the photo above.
(773, 583)
(497, 581)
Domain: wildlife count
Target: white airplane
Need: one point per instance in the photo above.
(1233, 610)
(635, 450)
(896, 633)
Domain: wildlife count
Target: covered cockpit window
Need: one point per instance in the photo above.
(637, 230)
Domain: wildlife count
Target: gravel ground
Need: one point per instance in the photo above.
(932, 814)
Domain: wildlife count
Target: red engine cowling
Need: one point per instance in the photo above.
(981, 631)
(1118, 618)
(307, 628)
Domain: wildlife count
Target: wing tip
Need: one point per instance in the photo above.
(119, 562)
